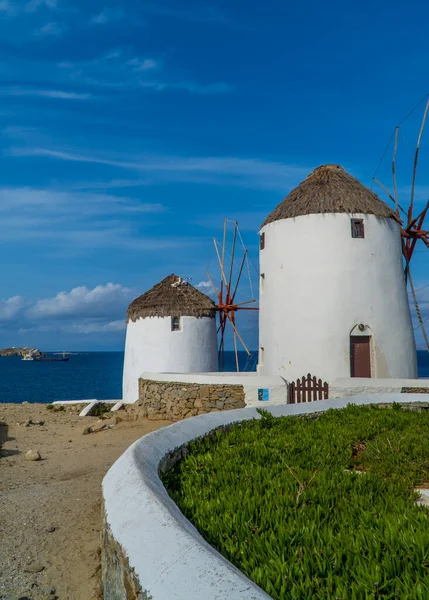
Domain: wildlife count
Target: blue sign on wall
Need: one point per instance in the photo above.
(263, 394)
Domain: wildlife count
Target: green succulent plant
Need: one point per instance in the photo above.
(318, 507)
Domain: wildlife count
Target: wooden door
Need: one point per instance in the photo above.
(360, 356)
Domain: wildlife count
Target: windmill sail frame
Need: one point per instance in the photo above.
(411, 227)
(227, 306)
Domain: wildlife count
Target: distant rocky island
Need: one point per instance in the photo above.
(18, 351)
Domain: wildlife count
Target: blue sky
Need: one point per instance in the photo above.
(131, 130)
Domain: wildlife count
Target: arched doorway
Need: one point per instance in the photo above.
(361, 363)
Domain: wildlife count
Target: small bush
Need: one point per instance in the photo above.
(50, 406)
(100, 410)
(321, 507)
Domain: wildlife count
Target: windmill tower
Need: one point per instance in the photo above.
(170, 329)
(333, 299)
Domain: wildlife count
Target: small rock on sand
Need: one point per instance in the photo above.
(34, 568)
(102, 424)
(51, 529)
(29, 422)
(32, 455)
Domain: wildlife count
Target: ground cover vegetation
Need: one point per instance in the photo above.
(315, 507)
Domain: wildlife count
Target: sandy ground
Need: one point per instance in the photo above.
(50, 510)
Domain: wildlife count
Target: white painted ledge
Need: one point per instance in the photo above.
(56, 402)
(88, 410)
(347, 386)
(170, 558)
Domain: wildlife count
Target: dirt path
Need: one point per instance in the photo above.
(50, 509)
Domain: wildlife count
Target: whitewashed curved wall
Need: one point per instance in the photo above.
(319, 283)
(154, 545)
(150, 345)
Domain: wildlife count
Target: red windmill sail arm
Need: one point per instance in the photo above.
(232, 308)
(420, 217)
(413, 233)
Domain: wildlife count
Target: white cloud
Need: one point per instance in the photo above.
(243, 172)
(82, 310)
(197, 14)
(37, 329)
(15, 8)
(58, 94)
(206, 288)
(82, 302)
(112, 326)
(68, 203)
(188, 86)
(108, 15)
(34, 5)
(6, 6)
(10, 308)
(146, 64)
(50, 30)
(117, 69)
(75, 220)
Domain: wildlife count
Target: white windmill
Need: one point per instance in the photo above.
(170, 329)
(333, 299)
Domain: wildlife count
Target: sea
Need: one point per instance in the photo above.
(92, 375)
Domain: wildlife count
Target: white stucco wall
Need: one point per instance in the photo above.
(352, 386)
(319, 283)
(168, 555)
(277, 387)
(150, 345)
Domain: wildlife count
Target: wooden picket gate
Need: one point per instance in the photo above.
(307, 389)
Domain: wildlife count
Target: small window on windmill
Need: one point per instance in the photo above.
(262, 286)
(358, 230)
(175, 324)
(262, 240)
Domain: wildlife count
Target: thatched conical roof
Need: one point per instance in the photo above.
(330, 189)
(172, 297)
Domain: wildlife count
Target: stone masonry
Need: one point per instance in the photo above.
(175, 401)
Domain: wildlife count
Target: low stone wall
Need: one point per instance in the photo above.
(176, 400)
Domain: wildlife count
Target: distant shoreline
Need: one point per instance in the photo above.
(18, 351)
